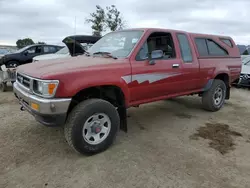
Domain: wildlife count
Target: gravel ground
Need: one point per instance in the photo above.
(156, 152)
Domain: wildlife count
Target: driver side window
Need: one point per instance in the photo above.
(34, 50)
(157, 41)
(31, 50)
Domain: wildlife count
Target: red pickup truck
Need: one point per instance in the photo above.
(89, 94)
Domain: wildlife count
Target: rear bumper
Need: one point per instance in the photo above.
(49, 112)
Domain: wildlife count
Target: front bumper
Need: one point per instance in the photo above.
(49, 112)
(243, 81)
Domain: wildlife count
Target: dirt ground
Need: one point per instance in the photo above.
(158, 151)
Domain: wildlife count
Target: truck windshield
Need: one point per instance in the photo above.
(246, 61)
(118, 44)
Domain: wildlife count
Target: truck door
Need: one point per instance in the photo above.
(190, 65)
(155, 78)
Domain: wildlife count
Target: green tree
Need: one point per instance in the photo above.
(245, 52)
(24, 42)
(101, 19)
(114, 20)
(97, 20)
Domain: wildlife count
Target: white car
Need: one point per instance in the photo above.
(244, 79)
(75, 45)
(63, 53)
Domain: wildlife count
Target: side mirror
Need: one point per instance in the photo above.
(25, 53)
(156, 54)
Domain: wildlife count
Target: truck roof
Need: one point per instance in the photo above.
(182, 31)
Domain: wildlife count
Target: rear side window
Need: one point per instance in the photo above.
(186, 52)
(202, 47)
(46, 49)
(52, 49)
(214, 49)
(227, 42)
(207, 47)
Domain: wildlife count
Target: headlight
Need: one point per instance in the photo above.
(45, 88)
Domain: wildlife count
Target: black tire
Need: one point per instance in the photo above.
(208, 101)
(3, 86)
(12, 64)
(79, 115)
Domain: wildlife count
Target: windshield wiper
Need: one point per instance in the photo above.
(105, 53)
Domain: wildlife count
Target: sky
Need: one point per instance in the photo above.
(52, 20)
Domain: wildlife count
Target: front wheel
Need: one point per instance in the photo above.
(12, 64)
(91, 126)
(214, 98)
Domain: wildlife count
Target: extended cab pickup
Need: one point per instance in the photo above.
(89, 94)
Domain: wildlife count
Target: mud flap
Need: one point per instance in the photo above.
(208, 85)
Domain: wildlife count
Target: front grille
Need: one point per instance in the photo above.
(245, 76)
(23, 80)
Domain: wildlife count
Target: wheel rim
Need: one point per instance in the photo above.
(13, 65)
(218, 96)
(96, 128)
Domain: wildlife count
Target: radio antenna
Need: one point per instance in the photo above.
(74, 38)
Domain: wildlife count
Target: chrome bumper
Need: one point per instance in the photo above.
(48, 111)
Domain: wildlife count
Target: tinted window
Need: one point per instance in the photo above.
(35, 50)
(215, 49)
(31, 50)
(186, 52)
(46, 49)
(202, 47)
(227, 42)
(52, 49)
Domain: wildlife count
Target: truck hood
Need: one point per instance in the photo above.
(50, 56)
(48, 68)
(245, 69)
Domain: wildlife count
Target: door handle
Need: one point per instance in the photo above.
(175, 66)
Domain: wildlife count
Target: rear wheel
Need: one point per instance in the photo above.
(214, 98)
(91, 126)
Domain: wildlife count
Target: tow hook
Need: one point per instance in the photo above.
(22, 108)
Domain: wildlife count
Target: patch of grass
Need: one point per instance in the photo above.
(220, 136)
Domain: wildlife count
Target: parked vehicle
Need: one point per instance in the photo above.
(244, 78)
(26, 54)
(89, 94)
(3, 51)
(81, 44)
(6, 75)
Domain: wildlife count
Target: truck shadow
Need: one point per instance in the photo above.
(148, 116)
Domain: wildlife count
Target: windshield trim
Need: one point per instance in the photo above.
(128, 30)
